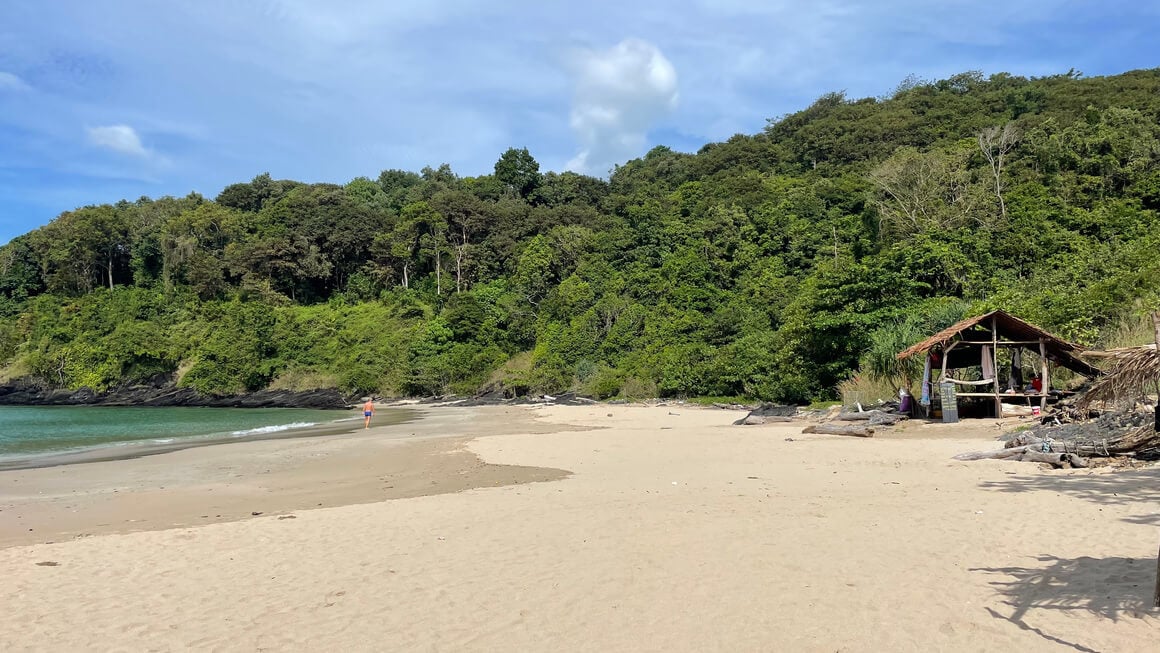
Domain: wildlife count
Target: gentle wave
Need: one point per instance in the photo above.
(273, 429)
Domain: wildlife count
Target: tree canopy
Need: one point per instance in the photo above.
(765, 266)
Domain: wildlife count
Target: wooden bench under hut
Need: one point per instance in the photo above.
(976, 343)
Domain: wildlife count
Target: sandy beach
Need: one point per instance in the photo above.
(599, 528)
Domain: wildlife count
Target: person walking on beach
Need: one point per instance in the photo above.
(368, 412)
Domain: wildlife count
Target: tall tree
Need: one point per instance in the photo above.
(996, 143)
(518, 171)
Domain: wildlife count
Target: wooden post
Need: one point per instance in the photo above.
(1043, 374)
(1156, 594)
(946, 350)
(1156, 425)
(995, 367)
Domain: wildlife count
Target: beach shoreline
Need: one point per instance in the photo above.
(201, 481)
(140, 449)
(582, 528)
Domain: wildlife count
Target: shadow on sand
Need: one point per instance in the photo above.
(1111, 588)
(1140, 487)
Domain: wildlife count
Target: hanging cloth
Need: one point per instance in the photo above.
(925, 398)
(1015, 380)
(988, 364)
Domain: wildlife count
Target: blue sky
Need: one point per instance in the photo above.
(107, 100)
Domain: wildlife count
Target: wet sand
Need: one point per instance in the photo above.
(223, 480)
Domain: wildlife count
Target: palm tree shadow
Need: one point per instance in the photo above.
(1140, 487)
(1110, 588)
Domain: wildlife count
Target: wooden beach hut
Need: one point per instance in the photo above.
(976, 343)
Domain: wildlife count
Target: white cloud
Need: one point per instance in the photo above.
(620, 93)
(10, 82)
(119, 138)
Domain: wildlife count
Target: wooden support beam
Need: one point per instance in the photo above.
(995, 366)
(1003, 343)
(1156, 593)
(1045, 380)
(1007, 395)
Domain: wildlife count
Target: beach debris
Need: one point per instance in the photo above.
(288, 517)
(48, 563)
(255, 514)
(1029, 453)
(767, 413)
(873, 417)
(1111, 435)
(733, 406)
(837, 429)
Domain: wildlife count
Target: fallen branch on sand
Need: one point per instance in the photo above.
(1125, 444)
(1032, 453)
(874, 417)
(767, 413)
(836, 429)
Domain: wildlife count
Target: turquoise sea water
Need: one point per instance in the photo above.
(41, 430)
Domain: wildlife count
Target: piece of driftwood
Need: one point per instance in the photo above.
(837, 429)
(1057, 460)
(1120, 445)
(1027, 453)
(767, 413)
(873, 417)
(753, 420)
(864, 415)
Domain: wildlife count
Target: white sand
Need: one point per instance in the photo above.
(675, 533)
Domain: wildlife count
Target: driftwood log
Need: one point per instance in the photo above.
(1032, 453)
(767, 413)
(859, 416)
(872, 417)
(753, 420)
(1122, 445)
(837, 429)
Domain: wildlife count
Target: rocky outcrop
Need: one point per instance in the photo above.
(162, 391)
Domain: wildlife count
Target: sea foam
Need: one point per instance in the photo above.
(272, 429)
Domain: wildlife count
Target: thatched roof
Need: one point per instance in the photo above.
(1135, 375)
(1122, 352)
(1009, 327)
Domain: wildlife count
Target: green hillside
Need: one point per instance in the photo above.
(759, 267)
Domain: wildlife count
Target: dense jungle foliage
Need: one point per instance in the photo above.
(765, 266)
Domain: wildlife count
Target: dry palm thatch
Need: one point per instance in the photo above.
(1135, 375)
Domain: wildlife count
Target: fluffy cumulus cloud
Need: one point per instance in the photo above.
(119, 138)
(620, 94)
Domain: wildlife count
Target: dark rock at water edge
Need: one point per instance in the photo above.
(163, 392)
